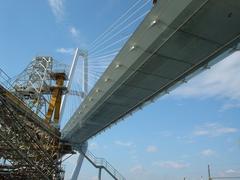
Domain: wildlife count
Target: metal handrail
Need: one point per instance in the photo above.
(5, 81)
(102, 163)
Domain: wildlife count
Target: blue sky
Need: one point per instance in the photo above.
(175, 136)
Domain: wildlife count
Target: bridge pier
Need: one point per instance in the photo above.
(82, 150)
(100, 174)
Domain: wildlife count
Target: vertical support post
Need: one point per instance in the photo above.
(73, 68)
(69, 82)
(100, 174)
(84, 147)
(55, 101)
(82, 150)
(45, 66)
(84, 55)
(209, 173)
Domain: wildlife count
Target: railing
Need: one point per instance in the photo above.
(102, 163)
(5, 80)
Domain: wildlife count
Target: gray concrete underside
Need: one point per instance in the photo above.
(176, 39)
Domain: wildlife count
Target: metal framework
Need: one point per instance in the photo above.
(33, 83)
(30, 147)
(56, 98)
(29, 141)
(30, 110)
(100, 164)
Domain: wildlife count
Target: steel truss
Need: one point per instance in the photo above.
(31, 147)
(30, 107)
(33, 83)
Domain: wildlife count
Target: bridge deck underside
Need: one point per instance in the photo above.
(201, 32)
(28, 146)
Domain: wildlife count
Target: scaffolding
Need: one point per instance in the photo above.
(30, 145)
(33, 84)
(31, 106)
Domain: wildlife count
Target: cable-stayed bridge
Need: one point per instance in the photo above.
(175, 41)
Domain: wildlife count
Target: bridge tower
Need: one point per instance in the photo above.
(82, 149)
(84, 55)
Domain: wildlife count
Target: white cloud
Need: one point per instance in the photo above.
(171, 164)
(139, 172)
(186, 139)
(137, 169)
(221, 80)
(65, 50)
(230, 171)
(230, 105)
(57, 7)
(93, 146)
(208, 152)
(201, 132)
(126, 144)
(77, 37)
(74, 32)
(166, 133)
(152, 149)
(94, 178)
(213, 130)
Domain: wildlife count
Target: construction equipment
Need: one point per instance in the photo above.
(30, 144)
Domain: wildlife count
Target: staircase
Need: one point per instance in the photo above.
(101, 163)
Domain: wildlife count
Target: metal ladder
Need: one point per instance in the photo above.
(101, 163)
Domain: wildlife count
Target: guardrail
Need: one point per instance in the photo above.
(5, 81)
(102, 163)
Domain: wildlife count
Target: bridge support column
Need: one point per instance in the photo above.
(100, 174)
(209, 173)
(77, 169)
